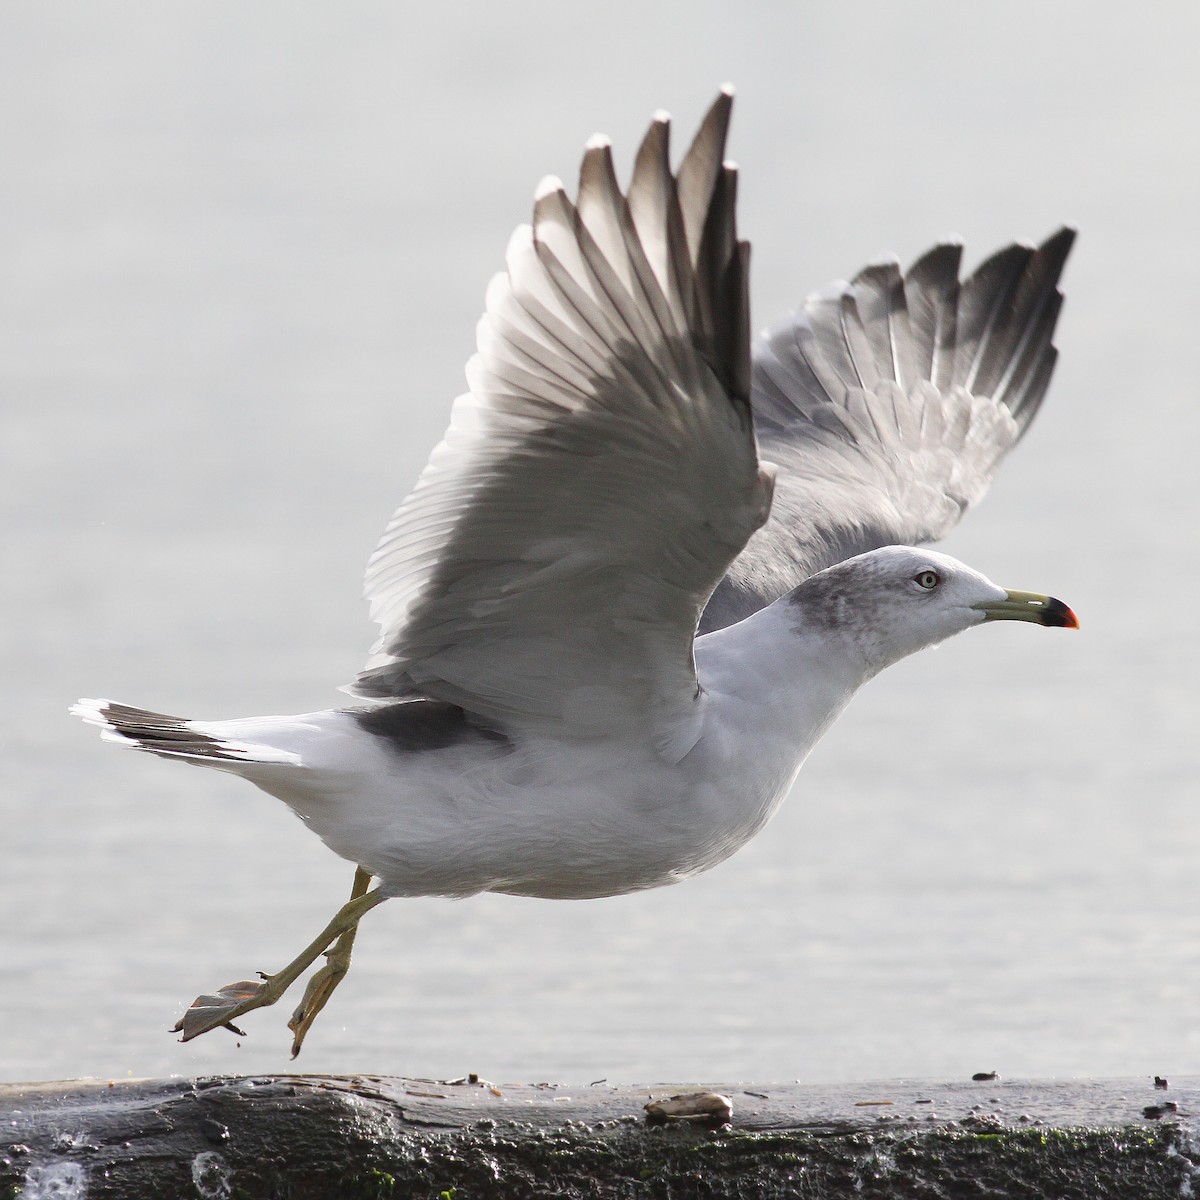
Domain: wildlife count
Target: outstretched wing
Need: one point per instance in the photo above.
(551, 564)
(888, 404)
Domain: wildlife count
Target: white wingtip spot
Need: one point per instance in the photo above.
(661, 117)
(727, 89)
(496, 297)
(598, 141)
(882, 260)
(521, 242)
(548, 186)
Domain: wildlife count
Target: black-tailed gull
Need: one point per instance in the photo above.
(544, 719)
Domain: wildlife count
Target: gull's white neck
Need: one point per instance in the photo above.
(771, 688)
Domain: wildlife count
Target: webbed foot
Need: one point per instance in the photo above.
(220, 1009)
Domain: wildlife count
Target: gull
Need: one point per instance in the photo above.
(611, 631)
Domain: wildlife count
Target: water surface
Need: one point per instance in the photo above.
(244, 248)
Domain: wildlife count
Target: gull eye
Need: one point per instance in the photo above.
(927, 579)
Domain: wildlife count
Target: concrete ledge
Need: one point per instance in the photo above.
(304, 1136)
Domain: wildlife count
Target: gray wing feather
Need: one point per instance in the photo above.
(888, 404)
(600, 476)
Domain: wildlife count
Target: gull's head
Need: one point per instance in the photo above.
(893, 602)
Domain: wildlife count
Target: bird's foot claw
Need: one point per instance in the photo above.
(320, 987)
(335, 941)
(218, 1010)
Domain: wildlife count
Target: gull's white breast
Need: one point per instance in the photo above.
(569, 818)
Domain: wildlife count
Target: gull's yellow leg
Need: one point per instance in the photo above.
(321, 986)
(235, 999)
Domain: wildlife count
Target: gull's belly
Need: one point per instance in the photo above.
(550, 820)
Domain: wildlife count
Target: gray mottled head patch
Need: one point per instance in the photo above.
(842, 597)
(879, 602)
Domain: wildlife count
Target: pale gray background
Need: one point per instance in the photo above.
(242, 249)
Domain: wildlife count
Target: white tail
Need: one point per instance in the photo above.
(177, 737)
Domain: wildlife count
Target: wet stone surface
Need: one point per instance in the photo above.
(351, 1136)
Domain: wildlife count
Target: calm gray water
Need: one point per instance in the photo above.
(242, 251)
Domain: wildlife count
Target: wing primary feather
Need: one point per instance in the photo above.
(600, 207)
(821, 340)
(656, 227)
(879, 302)
(1036, 384)
(1036, 307)
(628, 254)
(722, 290)
(699, 171)
(985, 301)
(931, 288)
(738, 290)
(613, 257)
(650, 198)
